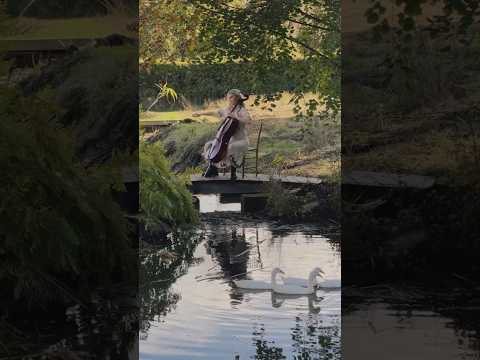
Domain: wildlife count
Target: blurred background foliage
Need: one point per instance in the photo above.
(65, 8)
(289, 39)
(54, 209)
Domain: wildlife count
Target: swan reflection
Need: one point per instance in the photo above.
(313, 301)
(277, 300)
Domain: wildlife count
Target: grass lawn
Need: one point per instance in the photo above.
(156, 116)
(281, 147)
(92, 27)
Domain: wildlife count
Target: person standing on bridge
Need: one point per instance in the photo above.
(238, 143)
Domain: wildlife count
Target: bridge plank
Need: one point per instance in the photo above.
(260, 178)
(250, 184)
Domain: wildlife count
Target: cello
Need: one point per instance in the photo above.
(219, 145)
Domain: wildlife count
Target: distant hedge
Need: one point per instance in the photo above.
(201, 82)
(61, 8)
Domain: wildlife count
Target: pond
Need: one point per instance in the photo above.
(205, 317)
(384, 330)
(196, 313)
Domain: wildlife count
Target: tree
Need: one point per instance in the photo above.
(271, 35)
(427, 60)
(456, 18)
(168, 31)
(275, 34)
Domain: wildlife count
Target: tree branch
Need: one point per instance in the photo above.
(304, 45)
(26, 8)
(310, 16)
(278, 33)
(310, 25)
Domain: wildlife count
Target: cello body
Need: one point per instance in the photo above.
(219, 146)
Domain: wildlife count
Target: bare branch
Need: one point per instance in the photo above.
(310, 16)
(27, 7)
(309, 24)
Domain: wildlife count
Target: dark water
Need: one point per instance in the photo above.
(211, 319)
(378, 330)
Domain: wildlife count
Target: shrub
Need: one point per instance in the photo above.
(283, 203)
(164, 198)
(199, 83)
(60, 224)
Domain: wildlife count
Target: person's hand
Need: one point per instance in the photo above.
(196, 114)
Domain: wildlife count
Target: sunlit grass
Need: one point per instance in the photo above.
(283, 109)
(318, 168)
(155, 116)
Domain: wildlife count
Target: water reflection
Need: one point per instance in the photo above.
(219, 321)
(160, 267)
(216, 203)
(403, 331)
(313, 301)
(229, 249)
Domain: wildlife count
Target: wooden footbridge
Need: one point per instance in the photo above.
(253, 187)
(248, 184)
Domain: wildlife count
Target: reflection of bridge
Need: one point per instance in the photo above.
(250, 184)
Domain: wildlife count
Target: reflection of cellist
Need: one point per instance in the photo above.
(231, 252)
(232, 150)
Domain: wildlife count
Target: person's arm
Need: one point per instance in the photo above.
(205, 113)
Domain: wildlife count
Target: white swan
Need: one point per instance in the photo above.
(301, 281)
(330, 284)
(258, 284)
(297, 289)
(323, 283)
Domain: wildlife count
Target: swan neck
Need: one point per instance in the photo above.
(312, 280)
(274, 278)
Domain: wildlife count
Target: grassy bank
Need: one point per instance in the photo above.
(415, 117)
(25, 28)
(287, 145)
(284, 146)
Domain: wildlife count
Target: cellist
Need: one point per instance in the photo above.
(238, 143)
